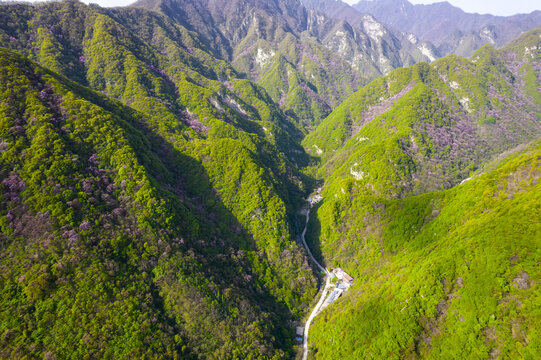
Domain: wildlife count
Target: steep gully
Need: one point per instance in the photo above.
(313, 200)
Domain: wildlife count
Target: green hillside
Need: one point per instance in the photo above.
(121, 238)
(155, 158)
(446, 275)
(438, 273)
(427, 127)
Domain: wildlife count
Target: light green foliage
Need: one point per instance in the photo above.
(438, 275)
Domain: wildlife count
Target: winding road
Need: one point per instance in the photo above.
(327, 281)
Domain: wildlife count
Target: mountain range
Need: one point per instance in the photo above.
(307, 61)
(155, 158)
(449, 28)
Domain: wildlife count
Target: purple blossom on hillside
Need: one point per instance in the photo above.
(85, 225)
(12, 39)
(71, 236)
(282, 100)
(14, 185)
(161, 72)
(194, 123)
(86, 185)
(82, 59)
(42, 95)
(17, 130)
(179, 241)
(93, 159)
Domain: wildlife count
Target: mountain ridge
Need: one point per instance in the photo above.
(272, 30)
(447, 26)
(153, 178)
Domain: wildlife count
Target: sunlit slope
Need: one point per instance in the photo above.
(427, 127)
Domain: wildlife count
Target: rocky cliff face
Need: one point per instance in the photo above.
(368, 43)
(314, 51)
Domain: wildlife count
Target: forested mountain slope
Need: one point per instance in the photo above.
(182, 204)
(443, 275)
(154, 160)
(307, 61)
(262, 40)
(427, 127)
(115, 243)
(438, 273)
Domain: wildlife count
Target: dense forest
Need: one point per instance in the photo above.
(153, 170)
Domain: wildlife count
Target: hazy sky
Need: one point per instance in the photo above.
(496, 7)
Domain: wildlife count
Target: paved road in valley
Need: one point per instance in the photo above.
(327, 280)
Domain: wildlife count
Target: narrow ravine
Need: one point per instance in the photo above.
(313, 200)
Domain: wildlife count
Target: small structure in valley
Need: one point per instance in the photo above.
(343, 276)
(343, 284)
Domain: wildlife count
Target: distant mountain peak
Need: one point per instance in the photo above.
(441, 22)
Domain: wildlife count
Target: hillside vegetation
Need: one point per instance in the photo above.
(182, 205)
(438, 273)
(153, 165)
